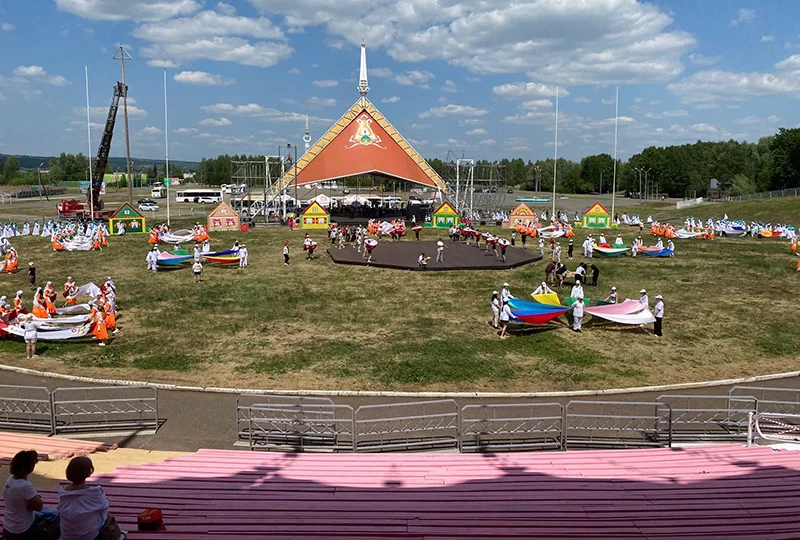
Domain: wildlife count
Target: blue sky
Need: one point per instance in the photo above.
(468, 76)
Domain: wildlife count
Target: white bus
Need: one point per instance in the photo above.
(202, 196)
(158, 192)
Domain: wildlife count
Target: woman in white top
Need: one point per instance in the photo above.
(505, 317)
(495, 309)
(21, 499)
(83, 509)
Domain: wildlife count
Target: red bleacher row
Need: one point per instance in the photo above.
(723, 492)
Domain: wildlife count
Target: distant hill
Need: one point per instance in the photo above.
(116, 163)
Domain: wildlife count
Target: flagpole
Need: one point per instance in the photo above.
(614, 181)
(89, 138)
(555, 160)
(166, 142)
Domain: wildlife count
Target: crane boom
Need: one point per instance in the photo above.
(104, 149)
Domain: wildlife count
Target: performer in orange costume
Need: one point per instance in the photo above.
(100, 330)
(70, 292)
(39, 310)
(12, 260)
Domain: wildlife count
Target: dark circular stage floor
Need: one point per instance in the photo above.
(403, 255)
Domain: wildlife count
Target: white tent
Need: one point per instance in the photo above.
(321, 199)
(354, 199)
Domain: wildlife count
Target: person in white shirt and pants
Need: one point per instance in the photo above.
(658, 313)
(440, 251)
(577, 314)
(505, 294)
(495, 310)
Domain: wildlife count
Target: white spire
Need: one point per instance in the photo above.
(363, 83)
(307, 136)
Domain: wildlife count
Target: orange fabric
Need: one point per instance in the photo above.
(111, 319)
(39, 312)
(51, 308)
(100, 329)
(346, 156)
(17, 304)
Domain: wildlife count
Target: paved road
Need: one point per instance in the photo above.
(194, 420)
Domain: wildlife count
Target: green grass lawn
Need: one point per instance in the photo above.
(731, 310)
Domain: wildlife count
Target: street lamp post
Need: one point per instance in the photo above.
(647, 170)
(601, 183)
(41, 189)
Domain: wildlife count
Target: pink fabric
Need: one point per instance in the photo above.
(628, 307)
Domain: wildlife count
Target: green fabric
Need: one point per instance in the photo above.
(568, 301)
(602, 303)
(180, 252)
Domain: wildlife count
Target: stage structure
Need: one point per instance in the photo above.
(361, 142)
(259, 178)
(475, 190)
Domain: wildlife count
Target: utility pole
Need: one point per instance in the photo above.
(122, 55)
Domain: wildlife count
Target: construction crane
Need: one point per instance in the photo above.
(71, 208)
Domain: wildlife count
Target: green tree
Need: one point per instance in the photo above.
(11, 170)
(785, 153)
(742, 185)
(123, 181)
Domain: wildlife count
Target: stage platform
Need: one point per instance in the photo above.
(403, 255)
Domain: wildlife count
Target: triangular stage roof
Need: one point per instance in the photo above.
(223, 210)
(598, 210)
(126, 211)
(362, 142)
(522, 210)
(446, 209)
(315, 209)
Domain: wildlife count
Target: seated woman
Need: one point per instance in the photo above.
(21, 500)
(84, 509)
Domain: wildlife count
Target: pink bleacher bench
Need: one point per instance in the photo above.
(720, 491)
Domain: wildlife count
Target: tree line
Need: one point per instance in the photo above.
(739, 168)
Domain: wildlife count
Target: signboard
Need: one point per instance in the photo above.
(167, 181)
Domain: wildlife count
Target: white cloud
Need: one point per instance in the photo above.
(676, 113)
(715, 85)
(536, 104)
(100, 112)
(522, 90)
(449, 86)
(453, 110)
(470, 122)
(7, 27)
(150, 131)
(201, 78)
(607, 101)
(586, 42)
(226, 9)
(702, 60)
(169, 64)
(329, 83)
(420, 126)
(488, 142)
(186, 131)
(415, 77)
(214, 122)
(254, 110)
(655, 102)
(25, 74)
(743, 16)
(2, 97)
(320, 103)
(754, 120)
(29, 71)
(215, 36)
(138, 10)
(476, 132)
(393, 99)
(582, 100)
(294, 71)
(767, 39)
(706, 106)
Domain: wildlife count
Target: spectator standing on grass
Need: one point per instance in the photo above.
(196, 253)
(595, 274)
(505, 294)
(495, 310)
(32, 275)
(557, 252)
(658, 313)
(83, 509)
(286, 253)
(22, 501)
(550, 271)
(513, 238)
(577, 312)
(30, 335)
(577, 290)
(570, 248)
(524, 241)
(505, 317)
(197, 270)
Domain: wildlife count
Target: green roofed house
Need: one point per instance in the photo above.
(444, 217)
(130, 219)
